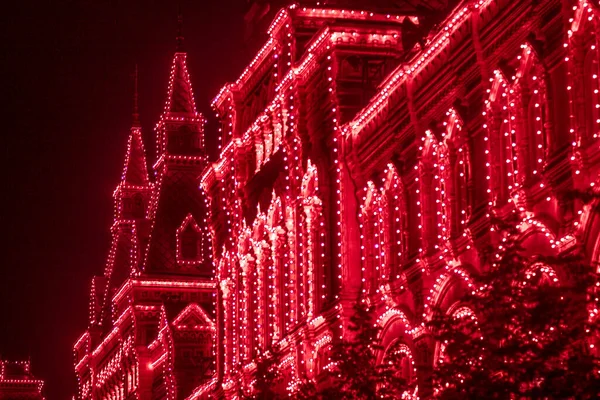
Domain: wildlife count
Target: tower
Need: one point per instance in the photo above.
(177, 205)
(132, 195)
(151, 328)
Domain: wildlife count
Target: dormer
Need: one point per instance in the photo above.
(191, 243)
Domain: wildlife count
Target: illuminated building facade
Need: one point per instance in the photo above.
(356, 162)
(362, 153)
(17, 382)
(151, 314)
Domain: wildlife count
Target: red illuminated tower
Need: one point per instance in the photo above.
(17, 382)
(152, 316)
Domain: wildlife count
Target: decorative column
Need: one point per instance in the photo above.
(263, 306)
(293, 299)
(312, 209)
(248, 266)
(279, 271)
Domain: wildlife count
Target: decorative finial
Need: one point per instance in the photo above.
(179, 28)
(136, 114)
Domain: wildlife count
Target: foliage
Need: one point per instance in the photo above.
(356, 372)
(267, 378)
(530, 334)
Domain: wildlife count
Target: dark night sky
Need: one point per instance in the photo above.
(66, 92)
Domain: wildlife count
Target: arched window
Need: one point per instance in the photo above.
(190, 249)
(248, 306)
(291, 292)
(590, 92)
(501, 112)
(395, 218)
(261, 283)
(445, 189)
(540, 274)
(532, 86)
(457, 173)
(430, 193)
(459, 312)
(316, 288)
(401, 357)
(585, 72)
(372, 238)
(190, 245)
(278, 274)
(445, 171)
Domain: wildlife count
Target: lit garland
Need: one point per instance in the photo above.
(584, 56)
(112, 368)
(295, 262)
(398, 352)
(391, 314)
(189, 224)
(372, 238)
(531, 72)
(501, 110)
(441, 283)
(17, 381)
(458, 311)
(396, 220)
(306, 66)
(313, 225)
(397, 78)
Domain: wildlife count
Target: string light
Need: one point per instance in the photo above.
(17, 381)
(108, 357)
(281, 271)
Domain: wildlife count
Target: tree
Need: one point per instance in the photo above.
(530, 333)
(267, 378)
(356, 373)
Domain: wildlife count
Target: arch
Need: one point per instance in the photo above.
(321, 355)
(400, 355)
(536, 236)
(190, 240)
(457, 310)
(395, 222)
(447, 288)
(444, 188)
(584, 60)
(590, 232)
(312, 271)
(590, 94)
(430, 201)
(502, 132)
(456, 174)
(310, 180)
(583, 13)
(531, 83)
(274, 216)
(278, 272)
(372, 238)
(546, 272)
(445, 171)
(394, 322)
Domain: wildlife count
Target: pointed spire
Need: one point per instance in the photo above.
(136, 113)
(179, 38)
(180, 97)
(135, 172)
